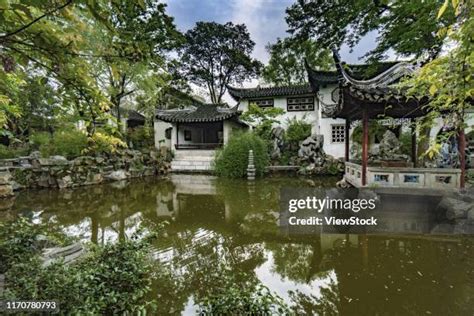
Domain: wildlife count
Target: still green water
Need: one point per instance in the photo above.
(212, 220)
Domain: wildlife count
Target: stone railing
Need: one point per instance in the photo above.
(58, 172)
(435, 178)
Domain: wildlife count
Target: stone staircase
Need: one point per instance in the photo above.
(192, 161)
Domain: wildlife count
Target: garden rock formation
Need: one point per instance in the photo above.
(314, 160)
(35, 171)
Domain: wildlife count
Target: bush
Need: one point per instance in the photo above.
(102, 143)
(297, 131)
(111, 279)
(7, 152)
(232, 160)
(69, 143)
(141, 137)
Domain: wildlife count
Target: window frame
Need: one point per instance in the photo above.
(256, 102)
(305, 101)
(342, 129)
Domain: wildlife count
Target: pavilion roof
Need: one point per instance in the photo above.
(263, 92)
(198, 113)
(377, 94)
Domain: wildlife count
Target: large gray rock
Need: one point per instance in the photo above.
(5, 177)
(118, 175)
(277, 142)
(311, 150)
(65, 182)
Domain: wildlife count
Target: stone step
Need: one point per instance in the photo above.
(194, 153)
(208, 159)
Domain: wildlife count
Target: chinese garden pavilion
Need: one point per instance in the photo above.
(376, 97)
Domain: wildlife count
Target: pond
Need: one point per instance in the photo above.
(212, 220)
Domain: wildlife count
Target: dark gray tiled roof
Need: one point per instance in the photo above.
(198, 113)
(135, 116)
(250, 93)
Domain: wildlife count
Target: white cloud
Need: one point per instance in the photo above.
(264, 20)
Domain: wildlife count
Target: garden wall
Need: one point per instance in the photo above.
(57, 172)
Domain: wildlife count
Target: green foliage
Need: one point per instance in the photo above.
(18, 241)
(232, 160)
(263, 119)
(405, 143)
(375, 129)
(447, 80)
(102, 143)
(141, 137)
(215, 55)
(287, 57)
(407, 27)
(110, 279)
(297, 131)
(241, 295)
(69, 143)
(12, 152)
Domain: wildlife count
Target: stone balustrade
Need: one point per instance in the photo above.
(434, 178)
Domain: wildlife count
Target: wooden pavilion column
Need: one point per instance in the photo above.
(346, 140)
(365, 145)
(414, 154)
(462, 156)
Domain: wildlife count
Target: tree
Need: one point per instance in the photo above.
(447, 80)
(215, 55)
(407, 27)
(44, 38)
(131, 46)
(286, 65)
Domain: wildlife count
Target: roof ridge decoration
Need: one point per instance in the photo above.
(382, 80)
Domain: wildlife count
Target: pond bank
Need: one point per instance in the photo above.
(34, 172)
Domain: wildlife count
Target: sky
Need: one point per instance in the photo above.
(265, 21)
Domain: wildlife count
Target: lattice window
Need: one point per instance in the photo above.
(263, 103)
(300, 104)
(338, 133)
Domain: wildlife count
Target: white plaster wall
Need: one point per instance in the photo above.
(280, 102)
(229, 127)
(319, 125)
(160, 127)
(324, 128)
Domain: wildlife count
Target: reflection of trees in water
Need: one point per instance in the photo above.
(297, 262)
(199, 265)
(327, 303)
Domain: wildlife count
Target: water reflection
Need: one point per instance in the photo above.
(213, 221)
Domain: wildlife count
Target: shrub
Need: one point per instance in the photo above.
(7, 152)
(102, 143)
(111, 279)
(69, 143)
(232, 160)
(298, 130)
(141, 137)
(40, 140)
